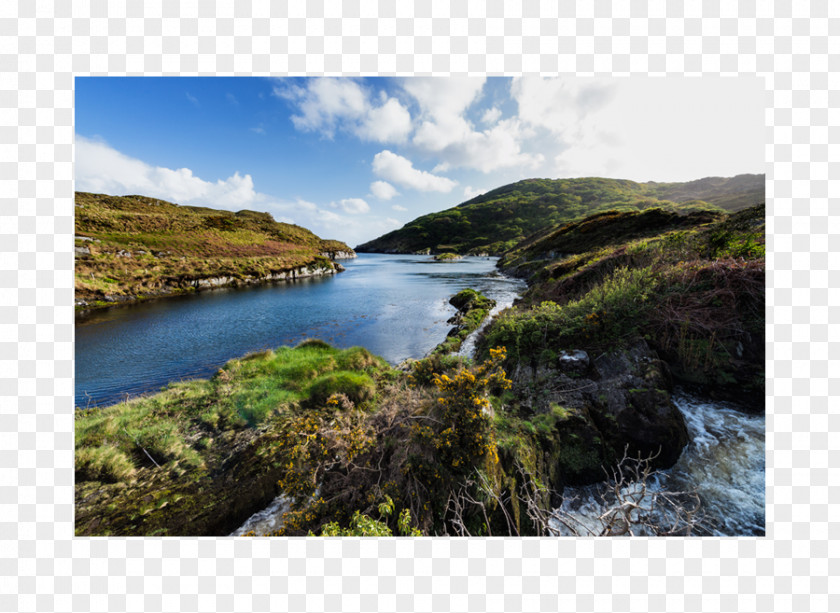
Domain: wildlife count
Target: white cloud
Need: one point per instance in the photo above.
(445, 131)
(440, 97)
(192, 99)
(383, 190)
(491, 115)
(397, 207)
(561, 104)
(470, 193)
(389, 123)
(329, 104)
(647, 129)
(101, 168)
(400, 170)
(353, 206)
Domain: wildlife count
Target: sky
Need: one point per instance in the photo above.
(353, 158)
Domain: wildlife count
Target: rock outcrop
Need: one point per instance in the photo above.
(339, 255)
(595, 408)
(182, 285)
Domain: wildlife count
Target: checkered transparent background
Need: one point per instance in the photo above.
(794, 46)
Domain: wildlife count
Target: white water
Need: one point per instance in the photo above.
(268, 520)
(724, 463)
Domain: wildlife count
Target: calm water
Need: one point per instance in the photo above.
(394, 305)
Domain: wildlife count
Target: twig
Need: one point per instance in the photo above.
(136, 442)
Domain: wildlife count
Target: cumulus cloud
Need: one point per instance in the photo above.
(470, 193)
(491, 115)
(560, 105)
(101, 168)
(397, 207)
(440, 97)
(389, 123)
(353, 206)
(328, 104)
(446, 132)
(400, 170)
(383, 190)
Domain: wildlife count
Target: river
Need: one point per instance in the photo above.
(394, 305)
(397, 307)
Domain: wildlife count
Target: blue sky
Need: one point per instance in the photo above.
(352, 158)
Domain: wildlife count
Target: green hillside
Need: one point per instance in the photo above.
(130, 247)
(496, 221)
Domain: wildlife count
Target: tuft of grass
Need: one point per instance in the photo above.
(107, 464)
(358, 387)
(111, 442)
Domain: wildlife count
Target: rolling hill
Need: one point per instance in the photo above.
(499, 219)
(132, 247)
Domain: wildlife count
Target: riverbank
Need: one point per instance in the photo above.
(560, 391)
(132, 248)
(395, 306)
(341, 433)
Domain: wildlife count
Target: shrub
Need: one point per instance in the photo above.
(466, 413)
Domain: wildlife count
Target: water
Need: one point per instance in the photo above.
(394, 305)
(723, 463)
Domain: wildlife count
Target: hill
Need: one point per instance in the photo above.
(496, 221)
(132, 247)
(568, 386)
(689, 288)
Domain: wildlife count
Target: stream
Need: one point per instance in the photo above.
(723, 463)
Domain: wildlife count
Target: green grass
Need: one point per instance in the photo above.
(498, 220)
(176, 427)
(696, 295)
(173, 245)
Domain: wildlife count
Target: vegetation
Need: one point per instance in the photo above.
(498, 220)
(188, 434)
(473, 308)
(447, 257)
(695, 294)
(132, 247)
(572, 380)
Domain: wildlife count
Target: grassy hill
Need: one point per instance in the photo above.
(496, 221)
(692, 287)
(130, 247)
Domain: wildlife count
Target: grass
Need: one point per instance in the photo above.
(175, 429)
(473, 307)
(501, 219)
(142, 246)
(695, 294)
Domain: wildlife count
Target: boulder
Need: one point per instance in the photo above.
(574, 362)
(619, 400)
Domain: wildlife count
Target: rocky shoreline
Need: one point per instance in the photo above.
(181, 286)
